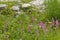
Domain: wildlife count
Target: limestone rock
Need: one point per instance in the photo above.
(25, 5)
(16, 8)
(36, 2)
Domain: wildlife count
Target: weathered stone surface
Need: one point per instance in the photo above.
(16, 8)
(37, 2)
(25, 5)
(3, 6)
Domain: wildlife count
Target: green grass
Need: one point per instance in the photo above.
(16, 28)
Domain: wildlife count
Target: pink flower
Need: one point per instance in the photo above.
(51, 24)
(43, 26)
(57, 23)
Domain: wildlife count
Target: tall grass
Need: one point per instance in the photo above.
(52, 9)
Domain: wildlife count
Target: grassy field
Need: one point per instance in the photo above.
(31, 24)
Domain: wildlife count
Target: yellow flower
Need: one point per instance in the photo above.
(49, 22)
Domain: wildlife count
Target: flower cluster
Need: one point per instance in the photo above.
(53, 23)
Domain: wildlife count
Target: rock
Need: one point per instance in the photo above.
(37, 2)
(25, 5)
(15, 8)
(34, 3)
(3, 6)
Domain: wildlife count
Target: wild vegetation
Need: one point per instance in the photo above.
(31, 24)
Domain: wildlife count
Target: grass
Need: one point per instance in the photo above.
(16, 28)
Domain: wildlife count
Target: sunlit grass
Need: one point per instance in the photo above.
(16, 28)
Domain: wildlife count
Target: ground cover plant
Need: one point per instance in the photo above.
(31, 24)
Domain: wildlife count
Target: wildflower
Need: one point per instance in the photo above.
(28, 28)
(52, 22)
(49, 22)
(43, 26)
(57, 23)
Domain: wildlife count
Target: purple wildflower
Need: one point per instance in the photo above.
(43, 26)
(51, 24)
(57, 23)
